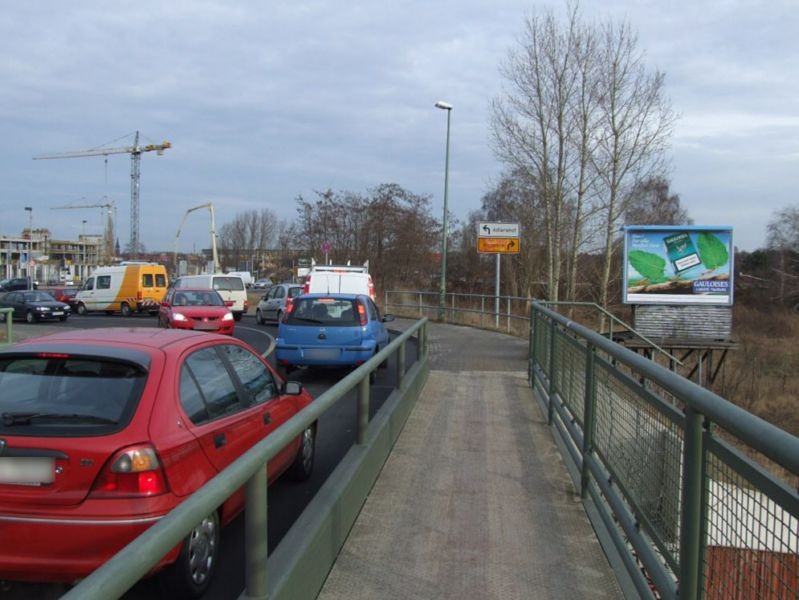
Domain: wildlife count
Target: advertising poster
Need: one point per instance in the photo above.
(678, 265)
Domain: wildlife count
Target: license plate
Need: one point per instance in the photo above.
(27, 470)
(58, 314)
(322, 353)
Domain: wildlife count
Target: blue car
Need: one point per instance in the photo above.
(330, 330)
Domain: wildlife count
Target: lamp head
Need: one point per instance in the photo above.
(444, 105)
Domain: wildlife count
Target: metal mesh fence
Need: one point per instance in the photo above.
(751, 538)
(570, 374)
(541, 333)
(642, 449)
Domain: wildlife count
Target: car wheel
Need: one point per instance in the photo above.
(190, 575)
(125, 309)
(30, 317)
(259, 317)
(302, 467)
(64, 318)
(237, 316)
(81, 309)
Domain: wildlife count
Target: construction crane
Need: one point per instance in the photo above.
(108, 234)
(214, 255)
(135, 152)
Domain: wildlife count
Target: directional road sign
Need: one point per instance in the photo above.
(497, 230)
(494, 245)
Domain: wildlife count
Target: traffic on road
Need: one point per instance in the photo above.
(233, 385)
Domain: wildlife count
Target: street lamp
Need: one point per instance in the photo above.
(29, 210)
(442, 299)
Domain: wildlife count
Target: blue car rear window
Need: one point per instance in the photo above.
(324, 311)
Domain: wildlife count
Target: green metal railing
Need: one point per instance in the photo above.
(135, 560)
(667, 469)
(6, 337)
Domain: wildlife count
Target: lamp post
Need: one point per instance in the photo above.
(29, 210)
(442, 298)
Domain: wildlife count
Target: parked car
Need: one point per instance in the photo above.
(276, 302)
(201, 310)
(34, 306)
(20, 283)
(106, 430)
(330, 330)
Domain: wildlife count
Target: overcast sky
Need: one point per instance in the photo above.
(266, 101)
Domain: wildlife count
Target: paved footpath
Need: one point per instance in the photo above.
(474, 501)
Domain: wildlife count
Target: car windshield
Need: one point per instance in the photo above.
(198, 298)
(324, 311)
(55, 393)
(38, 297)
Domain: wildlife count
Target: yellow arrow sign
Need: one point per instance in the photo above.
(498, 245)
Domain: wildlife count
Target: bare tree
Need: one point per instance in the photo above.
(783, 236)
(635, 125)
(243, 239)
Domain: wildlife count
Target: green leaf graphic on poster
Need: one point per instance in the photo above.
(712, 250)
(649, 265)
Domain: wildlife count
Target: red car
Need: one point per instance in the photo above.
(201, 310)
(104, 431)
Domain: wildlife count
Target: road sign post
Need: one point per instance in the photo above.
(497, 238)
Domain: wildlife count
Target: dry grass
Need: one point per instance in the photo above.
(762, 376)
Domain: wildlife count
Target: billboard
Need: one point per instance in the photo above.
(674, 264)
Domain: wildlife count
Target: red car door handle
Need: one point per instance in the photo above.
(267, 418)
(220, 440)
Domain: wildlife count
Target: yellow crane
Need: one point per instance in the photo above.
(108, 233)
(135, 152)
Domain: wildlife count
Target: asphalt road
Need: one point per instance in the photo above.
(286, 499)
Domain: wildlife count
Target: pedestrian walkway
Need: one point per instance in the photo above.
(474, 500)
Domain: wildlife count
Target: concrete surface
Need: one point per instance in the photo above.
(474, 500)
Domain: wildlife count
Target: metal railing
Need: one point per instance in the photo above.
(472, 309)
(135, 560)
(668, 470)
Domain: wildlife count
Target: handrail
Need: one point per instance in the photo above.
(613, 318)
(136, 559)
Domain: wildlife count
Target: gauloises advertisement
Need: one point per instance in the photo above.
(678, 265)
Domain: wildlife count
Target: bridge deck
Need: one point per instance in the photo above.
(474, 500)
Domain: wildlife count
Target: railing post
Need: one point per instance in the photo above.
(691, 515)
(482, 309)
(550, 408)
(363, 409)
(420, 305)
(531, 346)
(589, 420)
(255, 537)
(400, 365)
(452, 312)
(508, 314)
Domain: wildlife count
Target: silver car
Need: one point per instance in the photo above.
(273, 305)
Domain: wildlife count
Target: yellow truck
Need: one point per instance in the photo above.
(127, 288)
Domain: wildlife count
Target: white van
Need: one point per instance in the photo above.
(230, 287)
(339, 279)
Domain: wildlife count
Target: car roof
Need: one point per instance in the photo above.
(337, 296)
(147, 339)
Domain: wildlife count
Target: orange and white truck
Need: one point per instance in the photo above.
(127, 288)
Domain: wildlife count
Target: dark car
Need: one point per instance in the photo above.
(20, 283)
(34, 306)
(63, 294)
(105, 431)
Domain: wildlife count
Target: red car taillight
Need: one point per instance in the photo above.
(133, 471)
(362, 314)
(371, 289)
(307, 288)
(139, 295)
(289, 307)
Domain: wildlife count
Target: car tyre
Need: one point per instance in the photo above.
(237, 316)
(30, 317)
(125, 309)
(62, 319)
(302, 467)
(259, 317)
(190, 576)
(81, 309)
